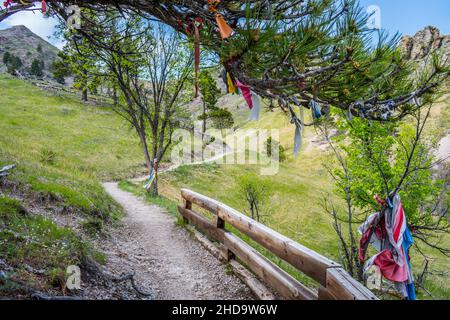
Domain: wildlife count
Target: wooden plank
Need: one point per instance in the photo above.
(200, 200)
(325, 294)
(218, 222)
(258, 289)
(267, 271)
(343, 287)
(335, 281)
(187, 205)
(304, 259)
(202, 223)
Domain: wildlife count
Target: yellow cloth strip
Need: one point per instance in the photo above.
(231, 87)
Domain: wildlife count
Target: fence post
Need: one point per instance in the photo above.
(187, 205)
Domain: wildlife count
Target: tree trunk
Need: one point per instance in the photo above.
(115, 98)
(84, 92)
(84, 95)
(148, 161)
(154, 189)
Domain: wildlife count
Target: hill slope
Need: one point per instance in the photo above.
(54, 198)
(23, 43)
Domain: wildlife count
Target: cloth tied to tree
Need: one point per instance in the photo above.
(152, 176)
(197, 23)
(251, 98)
(193, 27)
(230, 85)
(8, 3)
(388, 233)
(315, 109)
(225, 30)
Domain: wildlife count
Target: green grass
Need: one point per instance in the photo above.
(38, 243)
(63, 149)
(61, 132)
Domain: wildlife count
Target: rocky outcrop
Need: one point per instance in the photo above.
(424, 42)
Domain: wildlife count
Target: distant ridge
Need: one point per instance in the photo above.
(23, 43)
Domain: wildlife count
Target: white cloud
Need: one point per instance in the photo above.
(36, 22)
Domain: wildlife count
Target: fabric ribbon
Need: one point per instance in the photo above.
(7, 3)
(392, 239)
(315, 109)
(152, 176)
(254, 115)
(297, 138)
(225, 30)
(245, 92)
(230, 85)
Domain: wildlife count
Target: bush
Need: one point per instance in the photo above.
(47, 156)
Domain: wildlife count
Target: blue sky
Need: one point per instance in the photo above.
(410, 16)
(405, 16)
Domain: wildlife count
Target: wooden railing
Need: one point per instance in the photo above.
(335, 283)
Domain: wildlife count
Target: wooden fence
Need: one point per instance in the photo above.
(335, 283)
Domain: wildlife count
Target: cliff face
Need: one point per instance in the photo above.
(423, 42)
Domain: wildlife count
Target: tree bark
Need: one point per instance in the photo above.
(144, 145)
(84, 95)
(84, 92)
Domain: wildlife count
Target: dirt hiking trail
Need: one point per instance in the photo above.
(166, 260)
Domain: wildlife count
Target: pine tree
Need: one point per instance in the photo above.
(12, 62)
(293, 52)
(60, 69)
(36, 68)
(210, 95)
(6, 57)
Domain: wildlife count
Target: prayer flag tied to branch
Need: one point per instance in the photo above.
(8, 3)
(251, 98)
(152, 176)
(224, 29)
(388, 233)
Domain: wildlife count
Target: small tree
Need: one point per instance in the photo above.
(79, 61)
(255, 191)
(36, 68)
(210, 95)
(273, 145)
(39, 48)
(13, 63)
(383, 159)
(6, 57)
(150, 79)
(60, 69)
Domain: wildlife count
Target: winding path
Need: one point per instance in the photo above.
(167, 261)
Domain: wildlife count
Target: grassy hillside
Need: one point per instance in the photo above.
(63, 149)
